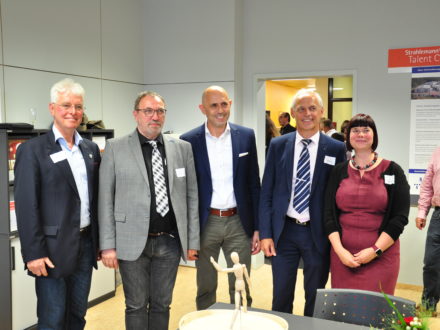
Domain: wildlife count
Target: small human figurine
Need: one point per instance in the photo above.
(240, 287)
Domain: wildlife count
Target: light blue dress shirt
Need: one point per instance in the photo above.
(78, 167)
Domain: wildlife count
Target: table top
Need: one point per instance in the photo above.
(299, 322)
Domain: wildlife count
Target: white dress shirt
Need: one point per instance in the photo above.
(220, 163)
(331, 132)
(313, 151)
(79, 171)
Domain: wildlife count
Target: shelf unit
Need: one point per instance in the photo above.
(18, 300)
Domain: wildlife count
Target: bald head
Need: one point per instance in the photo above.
(213, 89)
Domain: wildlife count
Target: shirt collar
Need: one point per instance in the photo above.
(59, 136)
(143, 139)
(208, 133)
(314, 138)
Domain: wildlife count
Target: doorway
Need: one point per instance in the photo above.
(274, 92)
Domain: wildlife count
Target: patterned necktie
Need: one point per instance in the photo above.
(160, 188)
(302, 182)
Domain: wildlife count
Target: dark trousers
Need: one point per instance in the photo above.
(62, 302)
(148, 284)
(296, 242)
(431, 269)
(224, 233)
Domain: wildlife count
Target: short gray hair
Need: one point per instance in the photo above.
(64, 86)
(147, 93)
(303, 92)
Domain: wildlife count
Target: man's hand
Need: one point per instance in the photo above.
(268, 247)
(193, 254)
(109, 258)
(255, 245)
(420, 223)
(38, 266)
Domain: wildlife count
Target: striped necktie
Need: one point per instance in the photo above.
(160, 188)
(302, 182)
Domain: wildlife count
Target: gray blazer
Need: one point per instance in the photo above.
(124, 196)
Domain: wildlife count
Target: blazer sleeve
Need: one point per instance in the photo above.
(26, 194)
(400, 204)
(106, 199)
(192, 200)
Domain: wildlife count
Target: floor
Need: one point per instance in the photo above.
(110, 313)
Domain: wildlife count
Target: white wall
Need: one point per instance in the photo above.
(189, 45)
(97, 43)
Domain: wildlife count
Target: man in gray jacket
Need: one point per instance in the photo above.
(148, 213)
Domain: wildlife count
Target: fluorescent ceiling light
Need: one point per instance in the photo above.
(287, 79)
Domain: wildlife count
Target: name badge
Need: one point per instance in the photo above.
(180, 172)
(243, 154)
(330, 160)
(58, 156)
(389, 179)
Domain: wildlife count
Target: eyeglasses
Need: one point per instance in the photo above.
(68, 106)
(357, 131)
(148, 112)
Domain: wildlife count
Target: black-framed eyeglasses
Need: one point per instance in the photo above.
(148, 112)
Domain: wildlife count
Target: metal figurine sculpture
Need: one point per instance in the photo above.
(240, 287)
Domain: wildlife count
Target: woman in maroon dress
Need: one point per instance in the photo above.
(367, 205)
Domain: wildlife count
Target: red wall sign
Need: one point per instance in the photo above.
(413, 57)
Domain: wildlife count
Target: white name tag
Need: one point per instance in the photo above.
(389, 179)
(243, 154)
(58, 156)
(330, 160)
(180, 172)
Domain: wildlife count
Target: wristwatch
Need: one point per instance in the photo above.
(377, 250)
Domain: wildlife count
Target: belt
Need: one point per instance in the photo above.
(85, 230)
(161, 233)
(296, 221)
(223, 213)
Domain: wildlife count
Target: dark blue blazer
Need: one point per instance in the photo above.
(245, 170)
(48, 205)
(277, 187)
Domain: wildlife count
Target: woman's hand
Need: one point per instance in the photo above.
(365, 256)
(347, 258)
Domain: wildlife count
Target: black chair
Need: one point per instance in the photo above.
(359, 307)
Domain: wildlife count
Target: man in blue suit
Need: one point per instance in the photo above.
(292, 200)
(228, 182)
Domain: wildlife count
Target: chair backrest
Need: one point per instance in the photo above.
(359, 307)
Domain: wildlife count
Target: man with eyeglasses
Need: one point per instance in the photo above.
(56, 191)
(148, 213)
(292, 203)
(229, 188)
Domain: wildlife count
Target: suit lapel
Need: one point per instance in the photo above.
(203, 151)
(322, 147)
(289, 151)
(62, 166)
(235, 140)
(170, 152)
(136, 150)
